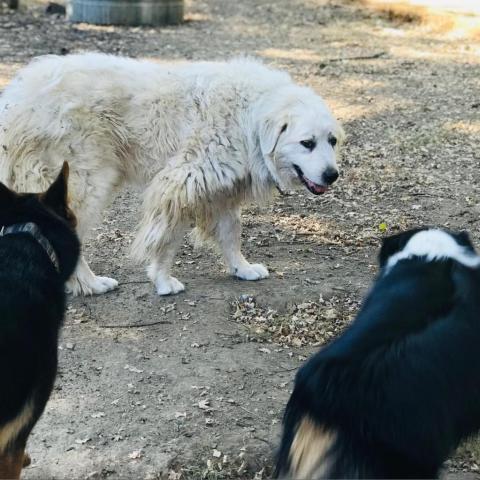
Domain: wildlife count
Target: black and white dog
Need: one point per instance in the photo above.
(400, 389)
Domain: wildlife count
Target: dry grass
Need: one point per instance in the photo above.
(460, 18)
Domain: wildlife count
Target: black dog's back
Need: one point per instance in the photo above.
(32, 301)
(399, 389)
(32, 304)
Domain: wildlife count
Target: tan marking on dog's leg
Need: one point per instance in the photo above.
(11, 464)
(308, 451)
(10, 431)
(26, 460)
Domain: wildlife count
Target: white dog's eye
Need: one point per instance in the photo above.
(332, 140)
(310, 144)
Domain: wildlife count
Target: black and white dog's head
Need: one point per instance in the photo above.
(430, 244)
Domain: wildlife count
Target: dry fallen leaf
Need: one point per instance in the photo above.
(82, 441)
(132, 369)
(136, 454)
(173, 475)
(97, 414)
(204, 404)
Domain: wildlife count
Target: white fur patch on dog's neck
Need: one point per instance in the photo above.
(434, 245)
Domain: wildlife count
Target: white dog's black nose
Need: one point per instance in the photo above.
(330, 175)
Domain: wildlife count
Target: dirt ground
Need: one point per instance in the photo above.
(193, 386)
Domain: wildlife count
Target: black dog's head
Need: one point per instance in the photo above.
(50, 212)
(28, 207)
(396, 243)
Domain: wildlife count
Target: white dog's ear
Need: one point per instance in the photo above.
(270, 133)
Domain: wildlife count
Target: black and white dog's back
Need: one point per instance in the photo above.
(396, 393)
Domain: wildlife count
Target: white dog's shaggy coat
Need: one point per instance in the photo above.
(203, 137)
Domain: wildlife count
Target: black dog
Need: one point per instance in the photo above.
(400, 389)
(38, 253)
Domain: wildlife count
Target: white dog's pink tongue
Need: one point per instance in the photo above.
(314, 187)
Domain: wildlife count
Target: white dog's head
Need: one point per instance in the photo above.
(299, 138)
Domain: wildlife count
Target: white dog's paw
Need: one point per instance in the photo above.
(168, 286)
(252, 271)
(103, 285)
(94, 286)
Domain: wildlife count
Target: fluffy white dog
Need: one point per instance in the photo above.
(202, 137)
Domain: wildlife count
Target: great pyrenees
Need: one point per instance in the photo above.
(203, 138)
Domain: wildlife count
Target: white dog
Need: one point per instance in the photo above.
(202, 137)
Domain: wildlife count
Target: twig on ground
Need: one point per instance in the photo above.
(360, 57)
(227, 334)
(139, 325)
(286, 370)
(263, 440)
(248, 411)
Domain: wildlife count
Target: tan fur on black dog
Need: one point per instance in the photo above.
(308, 454)
(12, 457)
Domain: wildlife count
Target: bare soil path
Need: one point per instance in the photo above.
(193, 386)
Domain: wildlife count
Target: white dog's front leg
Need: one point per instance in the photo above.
(85, 282)
(228, 235)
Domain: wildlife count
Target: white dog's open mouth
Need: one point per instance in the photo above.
(312, 186)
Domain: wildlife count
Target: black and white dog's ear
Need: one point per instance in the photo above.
(390, 246)
(394, 244)
(463, 239)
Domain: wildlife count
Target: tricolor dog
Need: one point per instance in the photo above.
(397, 392)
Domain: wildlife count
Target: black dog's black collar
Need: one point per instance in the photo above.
(35, 232)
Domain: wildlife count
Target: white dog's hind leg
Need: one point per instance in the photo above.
(158, 240)
(85, 282)
(159, 271)
(227, 232)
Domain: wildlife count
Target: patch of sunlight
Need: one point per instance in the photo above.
(366, 98)
(469, 128)
(87, 27)
(394, 32)
(415, 53)
(196, 17)
(7, 71)
(457, 18)
(463, 6)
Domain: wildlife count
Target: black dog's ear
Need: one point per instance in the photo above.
(6, 195)
(56, 197)
(394, 244)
